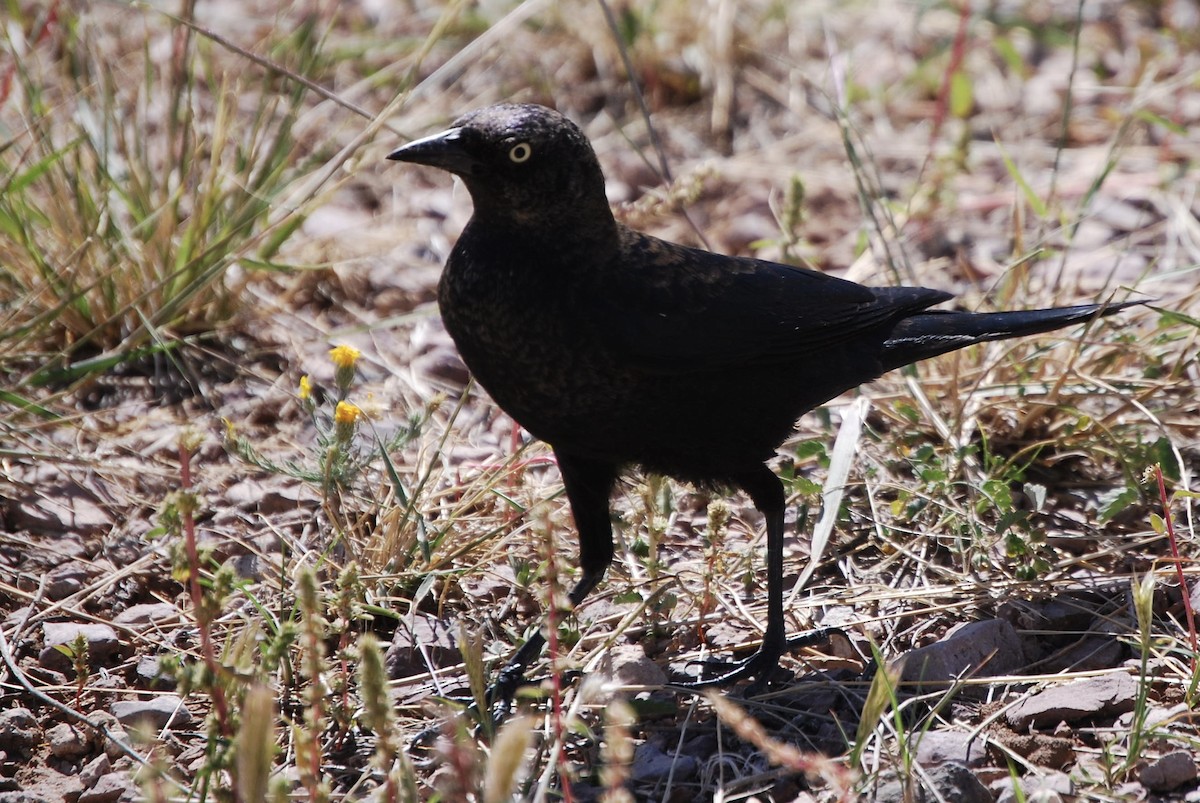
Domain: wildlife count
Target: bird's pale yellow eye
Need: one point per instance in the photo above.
(520, 152)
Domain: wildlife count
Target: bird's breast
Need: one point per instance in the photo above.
(526, 343)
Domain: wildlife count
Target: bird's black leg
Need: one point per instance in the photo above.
(588, 484)
(766, 491)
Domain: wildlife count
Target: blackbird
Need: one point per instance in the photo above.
(619, 349)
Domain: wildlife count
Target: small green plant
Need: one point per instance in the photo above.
(212, 673)
(307, 733)
(341, 459)
(789, 217)
(617, 752)
(1142, 592)
(715, 533)
(390, 759)
(121, 212)
(654, 516)
(77, 651)
(506, 760)
(810, 450)
(256, 746)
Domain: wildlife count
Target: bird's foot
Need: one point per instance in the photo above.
(760, 665)
(483, 716)
(501, 693)
(512, 680)
(483, 722)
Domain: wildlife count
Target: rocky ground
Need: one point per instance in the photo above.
(996, 532)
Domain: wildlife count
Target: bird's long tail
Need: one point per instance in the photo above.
(933, 332)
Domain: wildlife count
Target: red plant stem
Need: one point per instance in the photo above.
(518, 468)
(344, 730)
(43, 33)
(958, 52)
(555, 674)
(1187, 597)
(314, 769)
(220, 709)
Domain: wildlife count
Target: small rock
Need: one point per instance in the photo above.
(420, 639)
(1121, 215)
(108, 789)
(1037, 748)
(1169, 772)
(950, 781)
(150, 674)
(490, 586)
(110, 724)
(631, 667)
(1090, 654)
(269, 498)
(1050, 751)
(102, 643)
(941, 746)
(650, 763)
(18, 618)
(47, 677)
(1089, 698)
(980, 649)
(19, 731)
(443, 366)
(218, 546)
(723, 635)
(67, 741)
(701, 746)
(155, 712)
(104, 684)
(839, 616)
(91, 772)
(1049, 788)
(246, 567)
(139, 617)
(1132, 790)
(59, 506)
(63, 581)
(1179, 714)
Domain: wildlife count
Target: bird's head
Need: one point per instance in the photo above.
(520, 161)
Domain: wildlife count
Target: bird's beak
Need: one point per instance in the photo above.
(445, 150)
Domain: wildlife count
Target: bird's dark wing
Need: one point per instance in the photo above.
(670, 308)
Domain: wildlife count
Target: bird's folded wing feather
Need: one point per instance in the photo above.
(685, 310)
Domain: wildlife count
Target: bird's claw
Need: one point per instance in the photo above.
(761, 664)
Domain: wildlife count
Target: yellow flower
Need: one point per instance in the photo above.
(344, 356)
(345, 418)
(347, 413)
(305, 388)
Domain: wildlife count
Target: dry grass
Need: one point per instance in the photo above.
(187, 225)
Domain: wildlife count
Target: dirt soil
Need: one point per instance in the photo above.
(998, 490)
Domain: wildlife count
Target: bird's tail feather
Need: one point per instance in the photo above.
(928, 334)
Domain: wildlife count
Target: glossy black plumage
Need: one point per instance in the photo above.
(620, 349)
